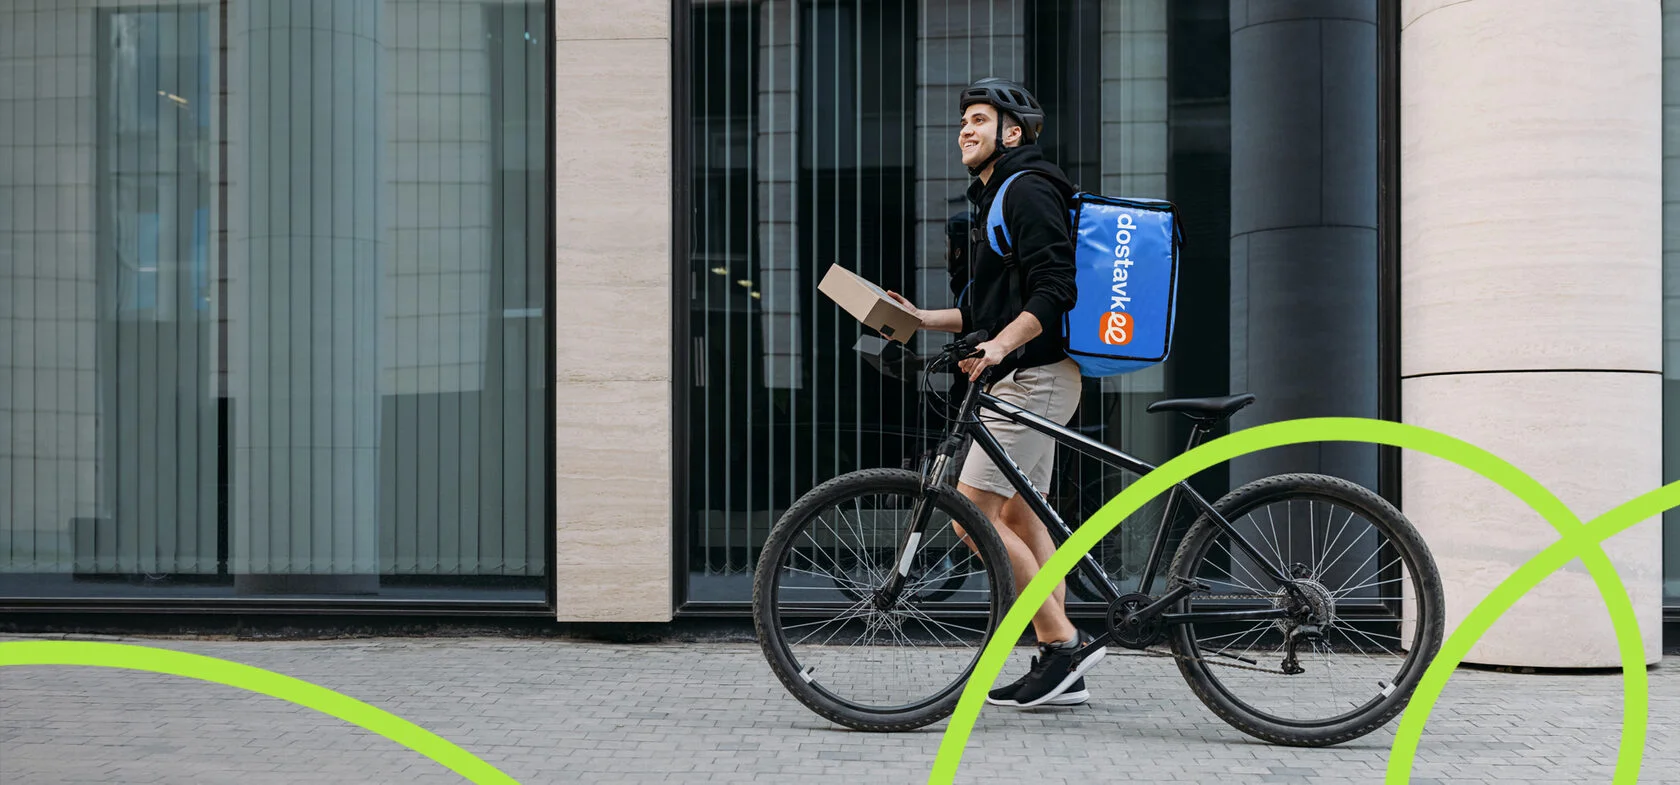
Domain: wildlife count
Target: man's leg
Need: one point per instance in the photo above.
(1020, 519)
(1050, 623)
(1051, 392)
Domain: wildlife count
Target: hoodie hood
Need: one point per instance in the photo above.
(1019, 159)
(1039, 278)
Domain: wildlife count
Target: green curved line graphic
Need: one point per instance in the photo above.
(246, 677)
(1512, 589)
(1327, 429)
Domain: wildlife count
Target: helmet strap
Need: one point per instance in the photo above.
(997, 152)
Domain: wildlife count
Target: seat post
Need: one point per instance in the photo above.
(1198, 429)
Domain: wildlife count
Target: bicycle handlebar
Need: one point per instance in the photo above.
(960, 349)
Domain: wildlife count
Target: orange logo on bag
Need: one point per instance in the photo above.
(1117, 328)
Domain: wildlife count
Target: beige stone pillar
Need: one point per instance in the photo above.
(1531, 295)
(613, 310)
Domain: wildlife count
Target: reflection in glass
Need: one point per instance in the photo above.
(274, 294)
(824, 133)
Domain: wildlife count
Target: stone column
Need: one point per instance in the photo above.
(613, 271)
(304, 224)
(1304, 225)
(1531, 299)
(435, 281)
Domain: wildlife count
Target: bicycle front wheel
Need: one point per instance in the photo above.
(1359, 622)
(843, 651)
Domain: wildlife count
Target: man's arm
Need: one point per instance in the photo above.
(944, 320)
(1025, 328)
(1043, 249)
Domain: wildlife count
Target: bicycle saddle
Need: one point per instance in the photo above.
(1206, 409)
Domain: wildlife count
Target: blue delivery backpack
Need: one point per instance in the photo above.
(1126, 258)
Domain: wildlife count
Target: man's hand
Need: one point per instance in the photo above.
(993, 353)
(1023, 329)
(948, 320)
(909, 306)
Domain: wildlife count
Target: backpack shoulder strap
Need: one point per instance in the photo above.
(997, 235)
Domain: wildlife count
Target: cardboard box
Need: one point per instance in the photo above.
(869, 304)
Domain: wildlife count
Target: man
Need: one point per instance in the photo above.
(1020, 301)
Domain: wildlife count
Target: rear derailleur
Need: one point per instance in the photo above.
(1313, 608)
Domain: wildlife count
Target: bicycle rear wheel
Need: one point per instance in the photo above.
(1365, 623)
(839, 651)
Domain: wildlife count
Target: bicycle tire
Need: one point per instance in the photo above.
(1426, 585)
(775, 646)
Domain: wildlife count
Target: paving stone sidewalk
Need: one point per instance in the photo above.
(553, 711)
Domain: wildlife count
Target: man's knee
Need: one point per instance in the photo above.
(1018, 515)
(990, 504)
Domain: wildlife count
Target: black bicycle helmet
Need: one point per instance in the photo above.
(1011, 97)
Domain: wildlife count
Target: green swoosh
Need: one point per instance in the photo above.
(1577, 541)
(1186, 465)
(245, 677)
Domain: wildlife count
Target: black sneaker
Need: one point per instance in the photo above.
(1074, 694)
(1005, 695)
(1054, 675)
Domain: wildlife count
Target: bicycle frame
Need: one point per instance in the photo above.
(970, 424)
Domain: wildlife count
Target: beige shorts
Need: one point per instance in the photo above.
(1049, 391)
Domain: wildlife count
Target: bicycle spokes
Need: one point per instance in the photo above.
(1343, 618)
(847, 634)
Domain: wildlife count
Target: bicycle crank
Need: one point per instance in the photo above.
(1131, 629)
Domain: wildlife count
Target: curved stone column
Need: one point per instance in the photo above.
(1531, 175)
(1304, 225)
(304, 326)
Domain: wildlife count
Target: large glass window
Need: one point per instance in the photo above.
(272, 288)
(824, 132)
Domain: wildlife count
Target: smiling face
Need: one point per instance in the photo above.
(977, 133)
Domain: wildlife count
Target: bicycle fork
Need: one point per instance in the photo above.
(920, 513)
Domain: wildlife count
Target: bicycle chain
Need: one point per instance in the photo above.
(1221, 663)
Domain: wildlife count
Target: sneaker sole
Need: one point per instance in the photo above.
(1073, 676)
(1064, 699)
(1069, 698)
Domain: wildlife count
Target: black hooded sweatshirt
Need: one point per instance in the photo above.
(1039, 278)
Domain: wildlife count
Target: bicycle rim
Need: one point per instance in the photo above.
(1367, 615)
(865, 666)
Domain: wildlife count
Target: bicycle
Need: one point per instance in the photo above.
(1243, 596)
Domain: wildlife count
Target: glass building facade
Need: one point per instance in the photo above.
(275, 277)
(273, 280)
(824, 132)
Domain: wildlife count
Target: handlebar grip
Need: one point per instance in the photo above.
(974, 339)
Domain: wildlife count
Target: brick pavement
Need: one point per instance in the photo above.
(559, 711)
